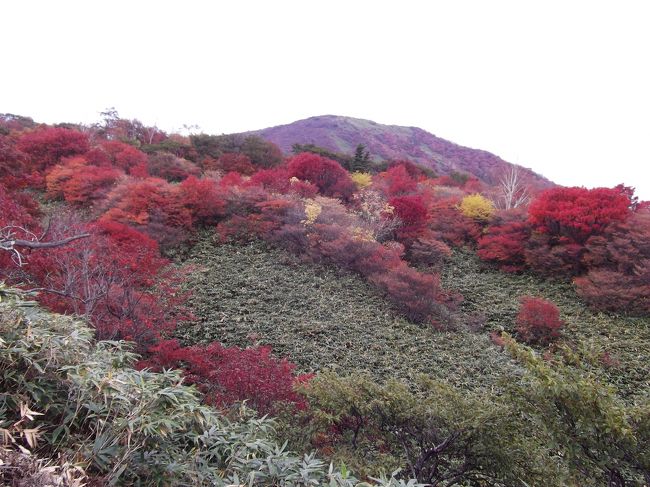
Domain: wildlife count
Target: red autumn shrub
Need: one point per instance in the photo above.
(504, 243)
(328, 175)
(610, 290)
(168, 166)
(428, 250)
(452, 227)
(203, 199)
(209, 164)
(554, 257)
(46, 146)
(275, 179)
(155, 207)
(418, 296)
(243, 199)
(264, 220)
(304, 189)
(333, 242)
(396, 181)
(231, 179)
(13, 212)
(235, 162)
(115, 278)
(619, 267)
(125, 157)
(59, 175)
(135, 202)
(414, 171)
(577, 213)
(291, 237)
(98, 156)
(16, 222)
(13, 164)
(412, 213)
(88, 184)
(243, 229)
(230, 374)
(538, 321)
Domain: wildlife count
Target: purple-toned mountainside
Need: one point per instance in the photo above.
(387, 142)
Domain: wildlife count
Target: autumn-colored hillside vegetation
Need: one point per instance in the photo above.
(449, 327)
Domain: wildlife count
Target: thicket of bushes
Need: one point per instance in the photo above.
(67, 397)
(140, 194)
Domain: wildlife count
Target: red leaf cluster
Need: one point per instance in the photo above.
(230, 374)
(412, 212)
(203, 200)
(116, 278)
(538, 321)
(120, 155)
(397, 181)
(619, 262)
(235, 162)
(327, 175)
(171, 168)
(504, 243)
(578, 213)
(46, 146)
(77, 182)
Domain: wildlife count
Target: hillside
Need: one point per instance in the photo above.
(324, 318)
(342, 134)
(388, 319)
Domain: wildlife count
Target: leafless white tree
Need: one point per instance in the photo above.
(512, 192)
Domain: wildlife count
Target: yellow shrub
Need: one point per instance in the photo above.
(362, 234)
(312, 210)
(477, 207)
(361, 179)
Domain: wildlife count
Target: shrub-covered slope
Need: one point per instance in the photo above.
(321, 318)
(621, 344)
(324, 318)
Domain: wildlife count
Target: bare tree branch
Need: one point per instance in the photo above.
(34, 244)
(11, 244)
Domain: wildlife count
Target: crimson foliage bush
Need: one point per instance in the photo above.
(412, 213)
(230, 374)
(619, 267)
(504, 244)
(328, 175)
(578, 213)
(45, 147)
(538, 321)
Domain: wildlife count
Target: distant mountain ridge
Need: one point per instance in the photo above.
(342, 134)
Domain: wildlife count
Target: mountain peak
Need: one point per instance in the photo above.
(342, 134)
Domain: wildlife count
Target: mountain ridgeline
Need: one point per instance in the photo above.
(389, 142)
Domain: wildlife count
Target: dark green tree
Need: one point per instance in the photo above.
(361, 161)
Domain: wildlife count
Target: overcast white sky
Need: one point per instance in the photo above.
(562, 87)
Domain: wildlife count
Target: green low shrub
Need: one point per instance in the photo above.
(66, 396)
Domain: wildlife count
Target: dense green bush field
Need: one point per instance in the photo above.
(622, 343)
(323, 318)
